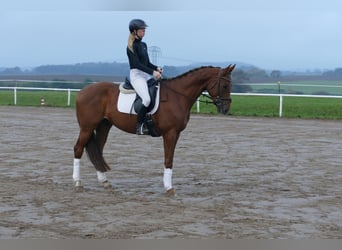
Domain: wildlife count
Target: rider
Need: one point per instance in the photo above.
(141, 69)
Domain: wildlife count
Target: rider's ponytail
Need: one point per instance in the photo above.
(131, 39)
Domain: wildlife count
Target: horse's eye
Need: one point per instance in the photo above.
(225, 86)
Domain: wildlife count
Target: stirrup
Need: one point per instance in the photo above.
(142, 129)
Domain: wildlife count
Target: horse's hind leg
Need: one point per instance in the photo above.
(102, 131)
(78, 152)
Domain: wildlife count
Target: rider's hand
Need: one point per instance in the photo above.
(156, 74)
(160, 70)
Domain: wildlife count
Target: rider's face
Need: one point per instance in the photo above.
(140, 33)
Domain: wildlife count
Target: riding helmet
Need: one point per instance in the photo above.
(136, 24)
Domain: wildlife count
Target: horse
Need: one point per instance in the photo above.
(97, 112)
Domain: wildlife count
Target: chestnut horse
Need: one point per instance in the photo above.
(96, 110)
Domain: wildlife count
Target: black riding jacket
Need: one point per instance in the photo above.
(139, 59)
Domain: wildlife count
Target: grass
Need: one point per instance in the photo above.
(300, 87)
(33, 98)
(321, 108)
(293, 107)
(266, 106)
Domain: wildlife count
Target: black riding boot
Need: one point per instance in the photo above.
(141, 127)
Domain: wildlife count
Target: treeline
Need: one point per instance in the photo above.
(122, 69)
(55, 83)
(116, 69)
(85, 73)
(337, 73)
(109, 69)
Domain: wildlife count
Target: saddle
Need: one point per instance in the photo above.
(127, 91)
(152, 84)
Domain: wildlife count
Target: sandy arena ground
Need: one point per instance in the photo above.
(234, 178)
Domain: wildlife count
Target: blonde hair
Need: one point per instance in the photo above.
(131, 39)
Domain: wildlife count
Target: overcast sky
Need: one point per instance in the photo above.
(285, 34)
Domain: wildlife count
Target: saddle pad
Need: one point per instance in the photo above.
(125, 103)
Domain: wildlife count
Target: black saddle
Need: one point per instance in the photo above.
(152, 90)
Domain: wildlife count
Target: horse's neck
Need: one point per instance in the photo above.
(192, 85)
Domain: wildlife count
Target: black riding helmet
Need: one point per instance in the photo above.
(136, 24)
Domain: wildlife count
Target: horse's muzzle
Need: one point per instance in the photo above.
(223, 106)
(223, 110)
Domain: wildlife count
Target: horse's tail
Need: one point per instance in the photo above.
(95, 144)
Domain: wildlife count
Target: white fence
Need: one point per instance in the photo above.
(15, 90)
(281, 96)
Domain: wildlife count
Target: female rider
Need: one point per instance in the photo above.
(141, 69)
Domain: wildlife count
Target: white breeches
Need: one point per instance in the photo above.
(139, 82)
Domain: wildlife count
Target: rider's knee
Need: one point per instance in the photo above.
(146, 101)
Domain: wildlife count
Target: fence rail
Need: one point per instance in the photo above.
(281, 96)
(15, 89)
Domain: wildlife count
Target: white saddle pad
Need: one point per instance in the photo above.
(125, 102)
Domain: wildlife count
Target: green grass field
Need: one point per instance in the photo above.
(32, 98)
(293, 107)
(266, 106)
(300, 87)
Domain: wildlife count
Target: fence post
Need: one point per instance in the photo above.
(198, 105)
(68, 97)
(280, 105)
(15, 95)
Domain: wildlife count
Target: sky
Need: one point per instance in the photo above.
(270, 34)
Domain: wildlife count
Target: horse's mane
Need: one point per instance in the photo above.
(188, 72)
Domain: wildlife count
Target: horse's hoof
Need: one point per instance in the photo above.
(171, 192)
(79, 186)
(107, 185)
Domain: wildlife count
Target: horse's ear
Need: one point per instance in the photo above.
(229, 69)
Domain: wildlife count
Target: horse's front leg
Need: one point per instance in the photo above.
(170, 141)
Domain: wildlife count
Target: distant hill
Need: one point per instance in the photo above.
(114, 71)
(100, 68)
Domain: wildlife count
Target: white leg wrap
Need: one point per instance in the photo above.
(101, 176)
(76, 172)
(167, 178)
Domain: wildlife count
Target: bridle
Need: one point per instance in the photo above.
(218, 100)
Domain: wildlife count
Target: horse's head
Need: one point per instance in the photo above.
(220, 90)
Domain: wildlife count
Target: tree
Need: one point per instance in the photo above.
(12, 71)
(240, 76)
(276, 74)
